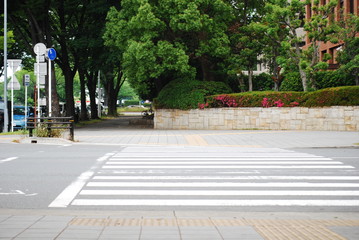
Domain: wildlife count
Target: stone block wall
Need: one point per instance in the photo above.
(337, 118)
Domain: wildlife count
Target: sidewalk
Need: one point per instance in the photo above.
(31, 224)
(168, 225)
(118, 132)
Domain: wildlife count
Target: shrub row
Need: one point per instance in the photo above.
(338, 96)
(186, 94)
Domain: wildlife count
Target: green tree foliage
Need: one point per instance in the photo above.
(320, 28)
(169, 39)
(349, 56)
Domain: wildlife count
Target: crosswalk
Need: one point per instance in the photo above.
(219, 177)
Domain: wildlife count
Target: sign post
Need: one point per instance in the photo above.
(26, 82)
(51, 55)
(14, 85)
(40, 50)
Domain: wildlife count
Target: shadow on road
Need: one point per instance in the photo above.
(121, 122)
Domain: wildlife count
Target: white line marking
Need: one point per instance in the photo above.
(216, 193)
(343, 178)
(13, 192)
(218, 184)
(264, 158)
(214, 202)
(8, 159)
(222, 163)
(70, 192)
(228, 166)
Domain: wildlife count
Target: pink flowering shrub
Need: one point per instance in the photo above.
(254, 99)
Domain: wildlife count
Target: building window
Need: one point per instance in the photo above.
(309, 11)
(351, 6)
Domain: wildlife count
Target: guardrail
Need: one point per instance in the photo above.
(51, 123)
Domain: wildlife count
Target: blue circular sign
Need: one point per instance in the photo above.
(51, 53)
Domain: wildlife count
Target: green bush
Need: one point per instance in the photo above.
(339, 96)
(257, 99)
(187, 94)
(131, 102)
(328, 79)
(292, 82)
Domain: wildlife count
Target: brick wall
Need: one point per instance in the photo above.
(336, 118)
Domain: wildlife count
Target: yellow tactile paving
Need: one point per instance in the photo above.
(195, 140)
(281, 229)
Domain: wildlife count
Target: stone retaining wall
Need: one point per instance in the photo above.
(336, 118)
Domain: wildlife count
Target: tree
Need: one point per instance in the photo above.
(169, 39)
(320, 28)
(348, 57)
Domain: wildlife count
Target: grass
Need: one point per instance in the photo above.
(19, 132)
(88, 122)
(134, 109)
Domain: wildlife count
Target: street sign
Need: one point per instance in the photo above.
(42, 80)
(40, 49)
(42, 68)
(13, 84)
(26, 80)
(51, 54)
(14, 64)
(40, 58)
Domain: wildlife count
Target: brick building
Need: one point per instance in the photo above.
(343, 8)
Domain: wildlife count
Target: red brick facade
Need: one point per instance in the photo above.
(344, 7)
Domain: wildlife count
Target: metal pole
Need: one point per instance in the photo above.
(38, 86)
(6, 115)
(12, 96)
(50, 97)
(25, 106)
(99, 96)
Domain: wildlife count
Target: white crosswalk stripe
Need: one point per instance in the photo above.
(247, 177)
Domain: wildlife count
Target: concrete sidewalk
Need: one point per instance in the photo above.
(31, 224)
(118, 132)
(66, 224)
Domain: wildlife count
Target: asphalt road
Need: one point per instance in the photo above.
(88, 177)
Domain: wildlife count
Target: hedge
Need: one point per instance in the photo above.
(186, 94)
(338, 96)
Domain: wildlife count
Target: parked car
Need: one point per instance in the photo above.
(2, 106)
(19, 116)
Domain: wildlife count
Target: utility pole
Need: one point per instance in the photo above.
(6, 115)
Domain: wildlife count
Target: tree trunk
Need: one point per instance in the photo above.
(113, 85)
(303, 74)
(250, 80)
(83, 112)
(91, 86)
(241, 83)
(206, 67)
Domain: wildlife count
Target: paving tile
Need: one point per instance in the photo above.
(128, 237)
(25, 218)
(47, 235)
(350, 233)
(161, 237)
(57, 218)
(50, 225)
(239, 232)
(4, 217)
(198, 237)
(11, 232)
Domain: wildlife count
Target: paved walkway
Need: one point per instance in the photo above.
(37, 225)
(119, 132)
(51, 224)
